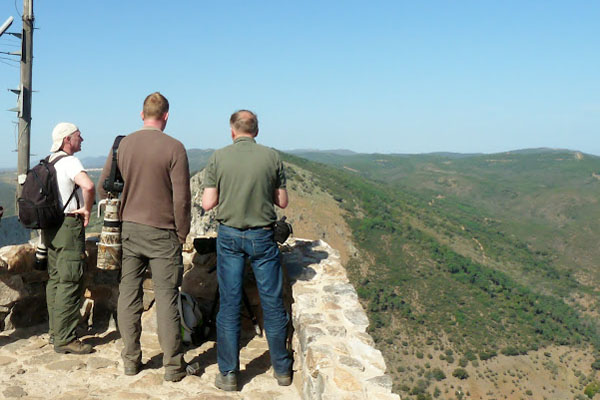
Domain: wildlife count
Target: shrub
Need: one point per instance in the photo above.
(438, 374)
(510, 351)
(460, 373)
(487, 354)
(420, 387)
(591, 389)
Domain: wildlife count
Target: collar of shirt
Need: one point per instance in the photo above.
(54, 155)
(244, 139)
(149, 128)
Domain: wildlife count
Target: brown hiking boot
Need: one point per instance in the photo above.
(75, 347)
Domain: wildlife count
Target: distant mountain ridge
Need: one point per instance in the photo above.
(200, 155)
(340, 152)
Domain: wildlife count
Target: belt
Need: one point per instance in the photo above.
(266, 227)
(72, 215)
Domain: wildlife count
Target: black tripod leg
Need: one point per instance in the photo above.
(251, 313)
(210, 324)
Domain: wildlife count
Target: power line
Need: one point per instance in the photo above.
(7, 63)
(17, 9)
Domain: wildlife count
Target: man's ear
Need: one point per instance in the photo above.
(142, 115)
(166, 116)
(232, 134)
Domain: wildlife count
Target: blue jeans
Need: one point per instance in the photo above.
(233, 246)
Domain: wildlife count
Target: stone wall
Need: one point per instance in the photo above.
(335, 358)
(23, 289)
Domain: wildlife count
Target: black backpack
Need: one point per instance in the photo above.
(39, 204)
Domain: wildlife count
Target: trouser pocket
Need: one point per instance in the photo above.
(70, 265)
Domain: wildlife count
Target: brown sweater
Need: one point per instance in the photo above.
(155, 169)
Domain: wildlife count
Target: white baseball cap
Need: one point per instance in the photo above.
(61, 131)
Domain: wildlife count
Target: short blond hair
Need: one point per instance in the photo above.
(155, 106)
(244, 121)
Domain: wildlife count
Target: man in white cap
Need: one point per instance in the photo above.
(66, 243)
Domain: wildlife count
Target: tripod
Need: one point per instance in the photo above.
(206, 246)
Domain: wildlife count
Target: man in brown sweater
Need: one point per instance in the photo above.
(155, 214)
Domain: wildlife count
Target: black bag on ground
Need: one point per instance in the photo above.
(39, 204)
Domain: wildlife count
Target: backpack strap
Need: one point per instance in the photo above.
(114, 182)
(57, 159)
(71, 196)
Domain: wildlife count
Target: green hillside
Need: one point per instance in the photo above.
(544, 198)
(198, 159)
(468, 256)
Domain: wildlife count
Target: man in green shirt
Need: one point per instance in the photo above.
(246, 180)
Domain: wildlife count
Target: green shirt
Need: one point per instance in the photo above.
(246, 175)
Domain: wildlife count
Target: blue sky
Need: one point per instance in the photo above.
(379, 76)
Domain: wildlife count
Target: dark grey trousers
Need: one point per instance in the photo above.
(158, 249)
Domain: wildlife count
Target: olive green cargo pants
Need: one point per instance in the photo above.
(66, 263)
(159, 249)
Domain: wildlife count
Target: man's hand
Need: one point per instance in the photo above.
(85, 215)
(87, 188)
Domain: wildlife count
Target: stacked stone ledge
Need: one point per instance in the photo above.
(335, 358)
(23, 289)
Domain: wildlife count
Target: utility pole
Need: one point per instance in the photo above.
(24, 105)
